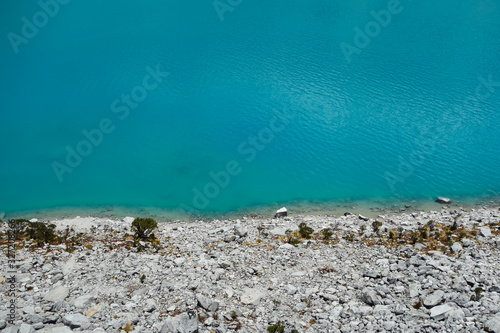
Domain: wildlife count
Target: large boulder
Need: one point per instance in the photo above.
(282, 212)
(186, 322)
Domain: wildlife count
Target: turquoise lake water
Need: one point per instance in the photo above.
(281, 101)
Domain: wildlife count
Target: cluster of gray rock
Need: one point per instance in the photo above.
(228, 276)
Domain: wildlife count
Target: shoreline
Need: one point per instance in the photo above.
(370, 208)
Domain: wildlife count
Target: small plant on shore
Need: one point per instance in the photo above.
(418, 305)
(423, 233)
(376, 226)
(305, 231)
(477, 294)
(327, 234)
(276, 328)
(414, 237)
(349, 237)
(290, 238)
(262, 232)
(431, 225)
(400, 232)
(143, 228)
(391, 235)
(143, 278)
(128, 327)
(449, 240)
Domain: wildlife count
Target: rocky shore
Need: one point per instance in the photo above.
(436, 271)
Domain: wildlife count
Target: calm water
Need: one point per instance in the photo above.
(267, 93)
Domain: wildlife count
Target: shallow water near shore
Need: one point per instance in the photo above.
(398, 122)
(370, 209)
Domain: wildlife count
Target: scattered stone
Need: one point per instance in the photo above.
(76, 321)
(84, 301)
(457, 247)
(414, 290)
(128, 219)
(382, 262)
(290, 290)
(494, 289)
(493, 324)
(186, 322)
(370, 297)
(434, 298)
(25, 328)
(207, 303)
(240, 230)
(150, 305)
(59, 293)
(252, 296)
(485, 232)
(372, 274)
(439, 312)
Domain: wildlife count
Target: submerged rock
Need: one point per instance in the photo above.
(443, 200)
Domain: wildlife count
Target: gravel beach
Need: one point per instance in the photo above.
(435, 271)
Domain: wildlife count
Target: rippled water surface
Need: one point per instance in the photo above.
(267, 93)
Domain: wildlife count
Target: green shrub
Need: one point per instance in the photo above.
(143, 228)
(17, 226)
(305, 231)
(423, 232)
(41, 232)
